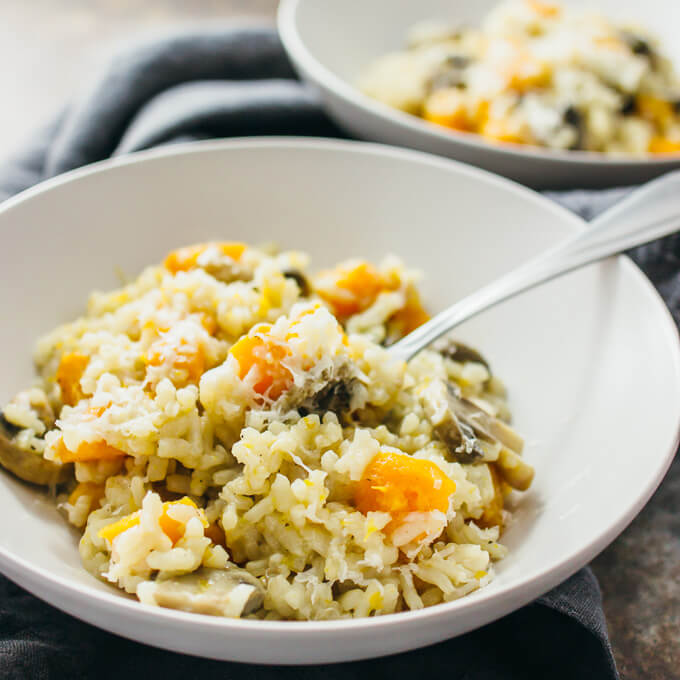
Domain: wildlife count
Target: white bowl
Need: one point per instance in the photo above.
(330, 42)
(591, 360)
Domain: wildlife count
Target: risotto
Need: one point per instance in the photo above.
(232, 437)
(540, 74)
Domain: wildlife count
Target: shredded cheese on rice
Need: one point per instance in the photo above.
(241, 442)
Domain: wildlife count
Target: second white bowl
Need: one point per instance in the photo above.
(331, 42)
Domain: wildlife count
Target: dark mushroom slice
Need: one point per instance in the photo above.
(231, 592)
(637, 44)
(461, 441)
(332, 390)
(44, 411)
(36, 401)
(573, 118)
(627, 104)
(459, 437)
(29, 465)
(483, 423)
(514, 470)
(300, 279)
(460, 352)
(336, 396)
(472, 435)
(517, 473)
(451, 73)
(7, 428)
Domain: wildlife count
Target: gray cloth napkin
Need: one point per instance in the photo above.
(228, 82)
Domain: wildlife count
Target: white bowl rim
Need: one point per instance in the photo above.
(325, 78)
(547, 577)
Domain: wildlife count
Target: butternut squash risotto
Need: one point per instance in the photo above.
(537, 73)
(232, 438)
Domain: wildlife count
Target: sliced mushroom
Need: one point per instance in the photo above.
(485, 424)
(627, 104)
(7, 428)
(514, 470)
(35, 410)
(463, 444)
(451, 73)
(300, 279)
(231, 592)
(460, 352)
(637, 44)
(334, 389)
(336, 396)
(474, 436)
(28, 465)
(573, 118)
(44, 411)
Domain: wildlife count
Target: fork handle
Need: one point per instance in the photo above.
(644, 215)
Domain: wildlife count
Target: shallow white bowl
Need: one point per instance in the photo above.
(591, 360)
(330, 42)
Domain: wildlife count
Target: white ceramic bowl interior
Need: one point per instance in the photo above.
(331, 42)
(591, 360)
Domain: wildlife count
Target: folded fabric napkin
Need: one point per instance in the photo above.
(232, 82)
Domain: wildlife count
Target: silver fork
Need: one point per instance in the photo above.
(646, 214)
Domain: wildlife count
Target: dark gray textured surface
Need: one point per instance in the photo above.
(639, 573)
(640, 579)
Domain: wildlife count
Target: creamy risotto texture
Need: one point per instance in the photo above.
(232, 437)
(538, 73)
